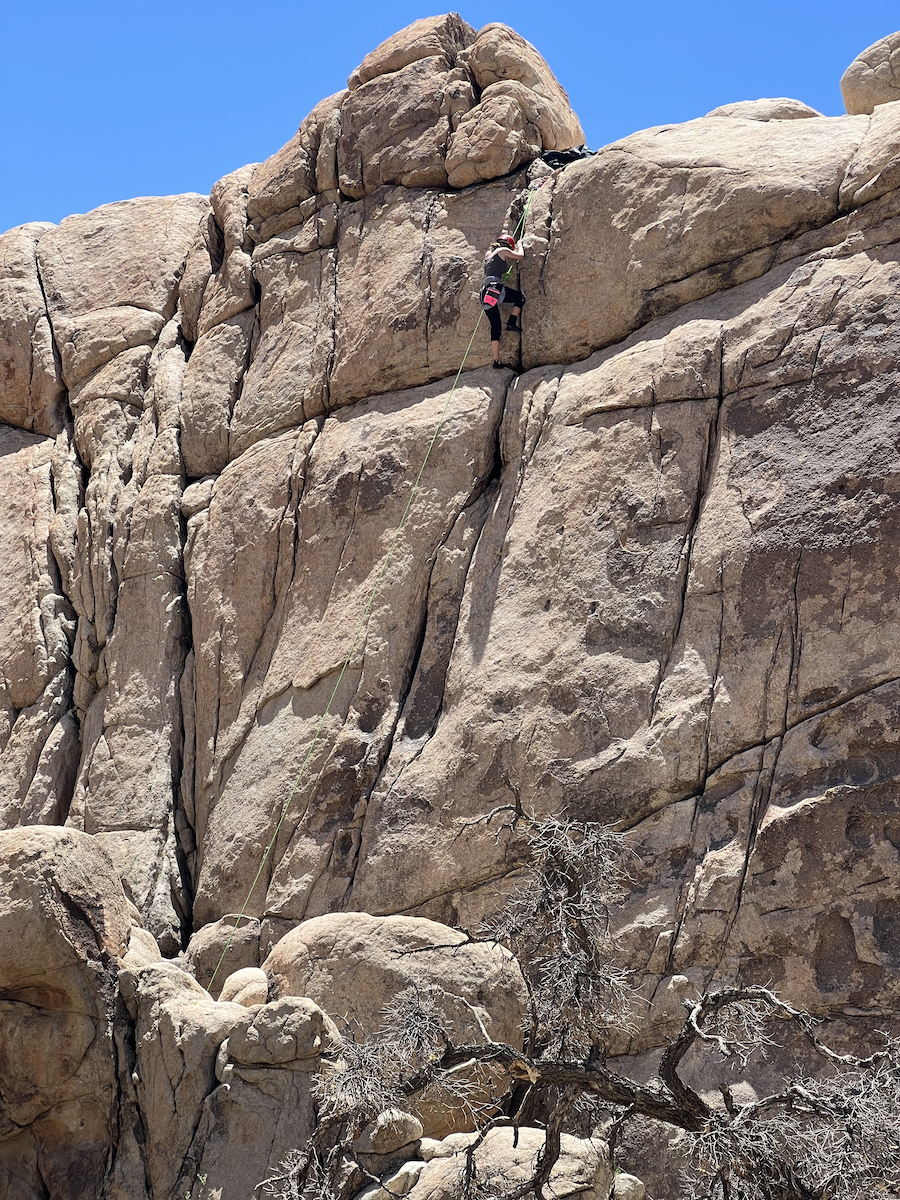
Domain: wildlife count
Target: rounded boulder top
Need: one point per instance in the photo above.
(873, 77)
(770, 109)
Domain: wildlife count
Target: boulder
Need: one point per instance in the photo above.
(205, 949)
(499, 53)
(781, 109)
(507, 1158)
(873, 77)
(628, 1187)
(390, 1131)
(522, 110)
(874, 169)
(142, 949)
(247, 986)
(492, 139)
(410, 105)
(447, 1147)
(395, 128)
(353, 965)
(394, 1183)
(64, 924)
(556, 123)
(445, 35)
(291, 1032)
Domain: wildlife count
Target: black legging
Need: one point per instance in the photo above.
(508, 295)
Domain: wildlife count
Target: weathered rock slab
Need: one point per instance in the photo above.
(672, 203)
(110, 276)
(31, 388)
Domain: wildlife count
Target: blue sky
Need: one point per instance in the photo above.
(104, 100)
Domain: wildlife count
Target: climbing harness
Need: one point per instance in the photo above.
(491, 292)
(520, 227)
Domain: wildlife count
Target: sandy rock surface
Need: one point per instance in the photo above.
(685, 209)
(649, 576)
(247, 986)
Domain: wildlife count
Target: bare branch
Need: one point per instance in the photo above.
(834, 1138)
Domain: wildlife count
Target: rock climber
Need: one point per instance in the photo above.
(494, 292)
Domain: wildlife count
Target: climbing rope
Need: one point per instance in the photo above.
(520, 227)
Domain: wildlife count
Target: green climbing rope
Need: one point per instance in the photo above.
(361, 624)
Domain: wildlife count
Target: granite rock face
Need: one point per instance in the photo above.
(648, 577)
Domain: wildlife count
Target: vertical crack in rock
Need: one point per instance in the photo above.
(129, 1138)
(704, 484)
(333, 259)
(716, 670)
(431, 211)
(432, 679)
(771, 748)
(55, 349)
(335, 871)
(54, 736)
(283, 578)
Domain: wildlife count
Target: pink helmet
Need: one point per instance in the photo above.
(508, 240)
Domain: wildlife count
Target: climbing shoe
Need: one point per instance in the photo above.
(514, 325)
(498, 366)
